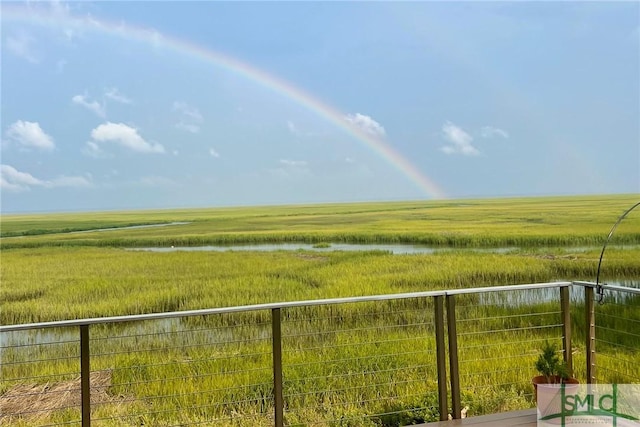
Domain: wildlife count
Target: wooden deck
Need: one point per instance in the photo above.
(524, 418)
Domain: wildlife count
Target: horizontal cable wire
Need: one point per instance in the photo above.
(333, 376)
(617, 331)
(623, 374)
(141, 350)
(510, 330)
(213, 357)
(513, 316)
(360, 344)
(66, 375)
(349, 359)
(481, 373)
(38, 411)
(164, 411)
(352, 330)
(370, 314)
(625, 319)
(500, 344)
(625, 361)
(201, 376)
(339, 391)
(615, 344)
(53, 359)
(38, 344)
(208, 329)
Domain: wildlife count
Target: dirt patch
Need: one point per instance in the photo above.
(31, 402)
(312, 257)
(551, 256)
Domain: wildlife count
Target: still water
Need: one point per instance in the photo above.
(270, 247)
(396, 249)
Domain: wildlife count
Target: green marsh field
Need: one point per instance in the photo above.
(81, 265)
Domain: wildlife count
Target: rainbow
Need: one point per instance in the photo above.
(57, 18)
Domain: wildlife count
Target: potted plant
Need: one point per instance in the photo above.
(554, 374)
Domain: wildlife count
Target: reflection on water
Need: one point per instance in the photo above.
(169, 329)
(397, 249)
(546, 295)
(39, 337)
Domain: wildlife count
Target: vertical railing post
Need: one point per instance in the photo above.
(85, 376)
(590, 319)
(276, 334)
(440, 357)
(565, 310)
(454, 371)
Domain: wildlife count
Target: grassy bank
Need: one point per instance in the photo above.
(461, 223)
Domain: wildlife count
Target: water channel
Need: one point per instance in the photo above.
(511, 299)
(396, 249)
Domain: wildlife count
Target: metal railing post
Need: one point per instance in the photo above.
(590, 318)
(278, 401)
(454, 370)
(566, 327)
(441, 357)
(85, 376)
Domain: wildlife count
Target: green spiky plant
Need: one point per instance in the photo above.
(550, 365)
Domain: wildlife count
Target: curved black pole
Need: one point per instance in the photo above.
(598, 286)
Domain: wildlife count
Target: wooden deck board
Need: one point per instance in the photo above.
(524, 418)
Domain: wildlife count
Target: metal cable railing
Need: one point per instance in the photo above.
(617, 336)
(375, 360)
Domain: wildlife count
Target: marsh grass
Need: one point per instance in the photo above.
(47, 284)
(340, 361)
(559, 221)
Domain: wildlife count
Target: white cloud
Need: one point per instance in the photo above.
(492, 132)
(92, 149)
(297, 131)
(294, 163)
(30, 134)
(61, 12)
(213, 153)
(70, 181)
(189, 127)
(93, 106)
(13, 180)
(115, 95)
(190, 117)
(156, 181)
(291, 169)
(459, 141)
(123, 135)
(366, 124)
(59, 9)
(22, 46)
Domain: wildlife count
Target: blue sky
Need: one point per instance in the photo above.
(130, 105)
